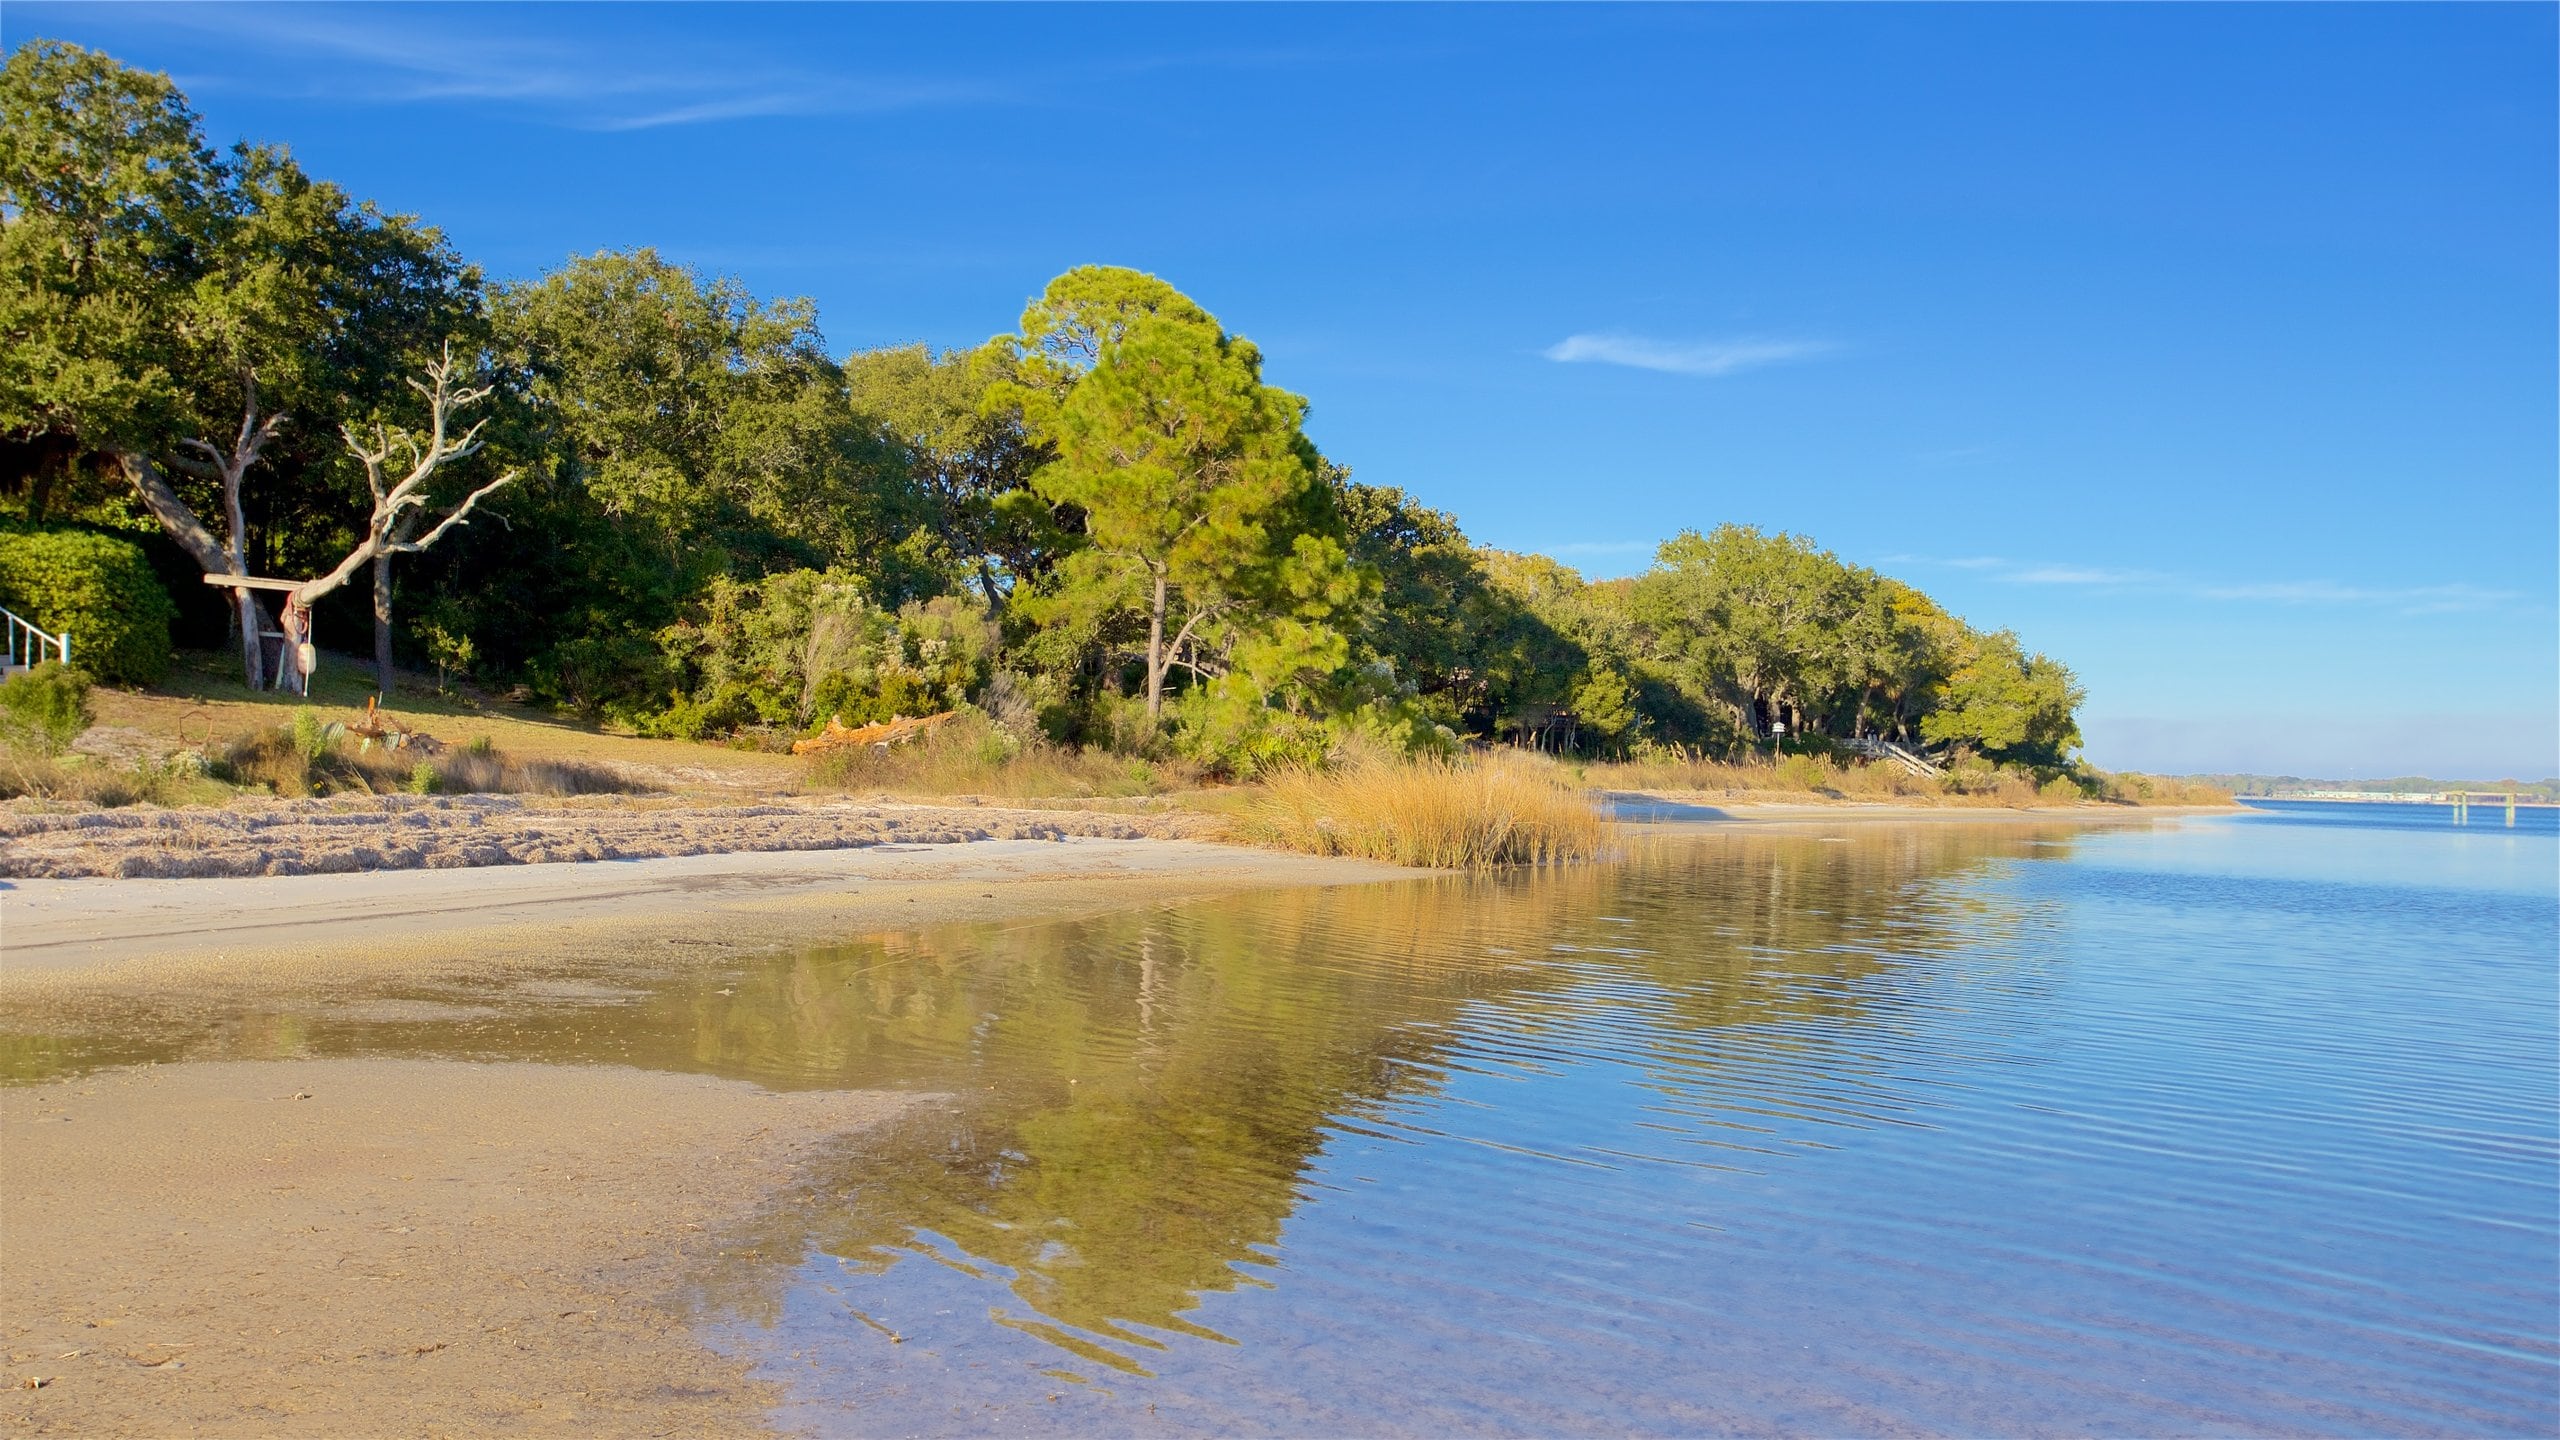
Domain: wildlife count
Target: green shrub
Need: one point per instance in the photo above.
(44, 709)
(800, 647)
(1802, 772)
(99, 590)
(310, 737)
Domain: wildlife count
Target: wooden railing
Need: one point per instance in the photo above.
(1878, 748)
(28, 645)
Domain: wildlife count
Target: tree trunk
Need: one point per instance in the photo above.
(382, 624)
(211, 555)
(1155, 653)
(253, 641)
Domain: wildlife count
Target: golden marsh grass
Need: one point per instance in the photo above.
(1471, 814)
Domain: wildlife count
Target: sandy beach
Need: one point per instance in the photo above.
(269, 929)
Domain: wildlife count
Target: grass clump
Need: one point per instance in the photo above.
(973, 755)
(484, 770)
(1474, 813)
(308, 757)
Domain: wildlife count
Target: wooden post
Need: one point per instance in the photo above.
(287, 671)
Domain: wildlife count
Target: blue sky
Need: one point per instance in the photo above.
(2210, 347)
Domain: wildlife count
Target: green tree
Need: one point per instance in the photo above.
(2009, 704)
(1765, 622)
(1604, 704)
(1453, 635)
(972, 461)
(1920, 642)
(677, 430)
(1201, 506)
(709, 424)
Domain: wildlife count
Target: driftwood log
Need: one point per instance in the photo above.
(895, 731)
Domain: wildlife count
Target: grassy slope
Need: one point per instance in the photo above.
(203, 701)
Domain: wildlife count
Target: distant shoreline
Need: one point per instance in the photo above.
(2480, 799)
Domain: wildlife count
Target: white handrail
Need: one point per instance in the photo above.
(27, 644)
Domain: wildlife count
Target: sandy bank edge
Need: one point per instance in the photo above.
(422, 923)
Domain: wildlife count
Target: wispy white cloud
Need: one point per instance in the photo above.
(816, 100)
(390, 56)
(1684, 357)
(2406, 599)
(2412, 599)
(2078, 575)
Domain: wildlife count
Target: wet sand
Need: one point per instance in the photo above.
(384, 1247)
(78, 934)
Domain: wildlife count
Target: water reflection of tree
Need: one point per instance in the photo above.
(1160, 1083)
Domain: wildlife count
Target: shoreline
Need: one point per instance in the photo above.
(1691, 807)
(116, 933)
(87, 932)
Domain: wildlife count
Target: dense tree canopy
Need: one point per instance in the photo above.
(1108, 515)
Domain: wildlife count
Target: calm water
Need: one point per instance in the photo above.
(2236, 1125)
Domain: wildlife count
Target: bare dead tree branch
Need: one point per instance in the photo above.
(395, 500)
(401, 504)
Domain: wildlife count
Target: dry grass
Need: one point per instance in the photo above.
(1471, 814)
(972, 756)
(280, 761)
(480, 770)
(1797, 776)
(83, 780)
